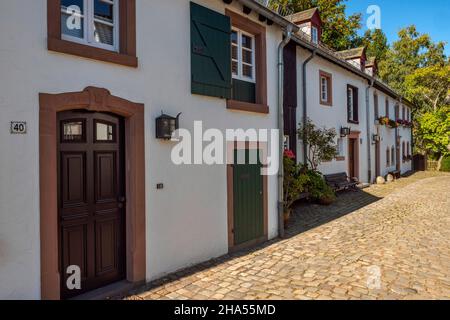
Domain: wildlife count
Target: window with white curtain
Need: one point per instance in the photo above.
(91, 22)
(243, 55)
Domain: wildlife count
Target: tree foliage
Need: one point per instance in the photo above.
(376, 44)
(428, 88)
(410, 52)
(320, 141)
(433, 133)
(340, 32)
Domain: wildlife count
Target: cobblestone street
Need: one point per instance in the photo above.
(399, 231)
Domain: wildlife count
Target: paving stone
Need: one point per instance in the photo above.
(386, 242)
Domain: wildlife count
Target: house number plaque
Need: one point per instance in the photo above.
(18, 127)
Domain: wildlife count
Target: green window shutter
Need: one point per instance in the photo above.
(210, 52)
(244, 91)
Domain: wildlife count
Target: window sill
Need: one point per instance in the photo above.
(326, 104)
(68, 47)
(249, 107)
(340, 158)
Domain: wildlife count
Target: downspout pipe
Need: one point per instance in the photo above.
(368, 130)
(305, 103)
(286, 40)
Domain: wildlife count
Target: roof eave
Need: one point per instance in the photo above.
(269, 14)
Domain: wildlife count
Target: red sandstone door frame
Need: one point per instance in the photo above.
(98, 100)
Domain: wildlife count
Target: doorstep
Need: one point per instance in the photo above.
(110, 291)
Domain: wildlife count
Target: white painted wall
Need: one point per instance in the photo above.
(187, 220)
(336, 115)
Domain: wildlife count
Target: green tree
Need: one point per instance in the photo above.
(433, 133)
(320, 141)
(428, 88)
(339, 31)
(376, 43)
(412, 51)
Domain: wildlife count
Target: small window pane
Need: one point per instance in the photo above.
(104, 33)
(247, 71)
(104, 132)
(247, 56)
(73, 131)
(104, 10)
(72, 18)
(104, 22)
(234, 52)
(234, 37)
(247, 42)
(234, 66)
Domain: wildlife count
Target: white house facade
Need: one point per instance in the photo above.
(86, 177)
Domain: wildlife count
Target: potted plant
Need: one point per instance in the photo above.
(319, 190)
(383, 121)
(294, 183)
(392, 124)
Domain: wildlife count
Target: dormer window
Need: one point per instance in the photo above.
(314, 35)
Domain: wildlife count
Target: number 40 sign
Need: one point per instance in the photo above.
(18, 127)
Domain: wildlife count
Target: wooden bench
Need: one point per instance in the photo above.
(340, 182)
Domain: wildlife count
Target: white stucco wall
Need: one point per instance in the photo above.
(336, 115)
(187, 220)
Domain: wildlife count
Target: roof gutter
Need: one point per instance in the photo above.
(368, 131)
(269, 14)
(286, 40)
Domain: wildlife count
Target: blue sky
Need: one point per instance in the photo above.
(432, 16)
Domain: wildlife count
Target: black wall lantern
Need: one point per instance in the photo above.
(166, 125)
(345, 132)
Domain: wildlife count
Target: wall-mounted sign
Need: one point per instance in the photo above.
(18, 127)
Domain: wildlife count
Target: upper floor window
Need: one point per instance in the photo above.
(314, 35)
(352, 104)
(404, 113)
(376, 111)
(243, 55)
(91, 22)
(326, 88)
(387, 108)
(91, 29)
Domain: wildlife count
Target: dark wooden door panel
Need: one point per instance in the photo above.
(74, 184)
(107, 246)
(91, 193)
(248, 202)
(105, 176)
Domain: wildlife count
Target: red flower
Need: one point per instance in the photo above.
(289, 154)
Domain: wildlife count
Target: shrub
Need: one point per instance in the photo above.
(445, 166)
(318, 188)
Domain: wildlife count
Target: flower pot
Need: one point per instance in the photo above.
(326, 201)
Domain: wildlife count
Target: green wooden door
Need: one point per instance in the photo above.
(248, 200)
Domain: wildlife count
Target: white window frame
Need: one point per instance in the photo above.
(324, 89)
(89, 26)
(351, 101)
(314, 35)
(240, 62)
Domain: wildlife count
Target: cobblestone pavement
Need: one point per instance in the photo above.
(399, 231)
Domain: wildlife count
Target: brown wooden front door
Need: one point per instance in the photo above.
(377, 159)
(91, 199)
(351, 158)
